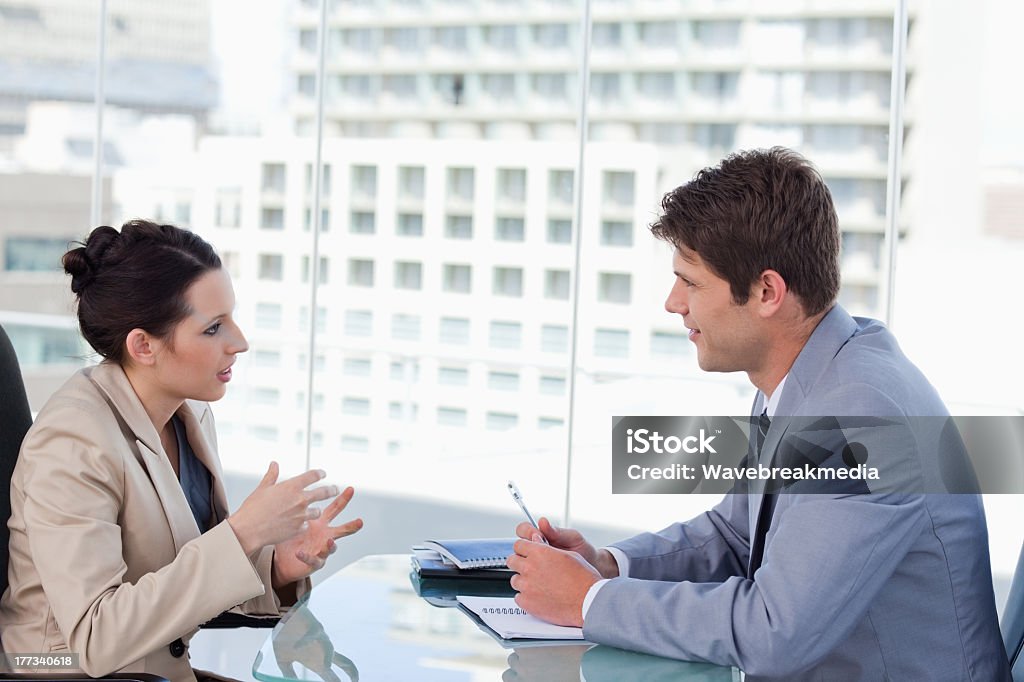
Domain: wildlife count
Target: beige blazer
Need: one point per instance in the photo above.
(106, 559)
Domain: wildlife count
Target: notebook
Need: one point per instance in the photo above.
(508, 621)
(481, 553)
(436, 568)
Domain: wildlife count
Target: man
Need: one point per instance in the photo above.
(831, 586)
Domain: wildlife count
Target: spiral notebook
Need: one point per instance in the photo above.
(481, 553)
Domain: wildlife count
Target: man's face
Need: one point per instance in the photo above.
(726, 334)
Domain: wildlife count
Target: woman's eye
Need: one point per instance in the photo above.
(212, 330)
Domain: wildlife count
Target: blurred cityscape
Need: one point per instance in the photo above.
(444, 264)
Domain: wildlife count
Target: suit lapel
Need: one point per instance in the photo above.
(111, 380)
(828, 338)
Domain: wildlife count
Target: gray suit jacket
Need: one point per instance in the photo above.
(887, 586)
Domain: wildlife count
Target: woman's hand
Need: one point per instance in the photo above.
(298, 557)
(276, 512)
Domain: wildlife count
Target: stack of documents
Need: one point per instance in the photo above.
(463, 558)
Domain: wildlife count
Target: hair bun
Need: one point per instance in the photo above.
(84, 262)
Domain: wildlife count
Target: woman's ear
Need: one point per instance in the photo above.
(141, 347)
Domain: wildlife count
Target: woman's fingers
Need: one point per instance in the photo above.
(346, 529)
(339, 503)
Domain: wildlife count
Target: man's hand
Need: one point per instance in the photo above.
(571, 540)
(551, 582)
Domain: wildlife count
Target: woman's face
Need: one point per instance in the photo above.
(196, 364)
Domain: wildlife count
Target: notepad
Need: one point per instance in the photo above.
(481, 553)
(508, 621)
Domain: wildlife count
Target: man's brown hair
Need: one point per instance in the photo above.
(757, 210)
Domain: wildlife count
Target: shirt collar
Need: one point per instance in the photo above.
(772, 403)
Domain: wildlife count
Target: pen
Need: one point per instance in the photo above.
(518, 497)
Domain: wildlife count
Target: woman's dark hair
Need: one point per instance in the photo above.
(135, 278)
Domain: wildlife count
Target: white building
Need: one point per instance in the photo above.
(695, 79)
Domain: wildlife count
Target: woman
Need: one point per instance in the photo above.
(120, 540)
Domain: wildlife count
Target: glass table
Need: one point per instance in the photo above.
(376, 620)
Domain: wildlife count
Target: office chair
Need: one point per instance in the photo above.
(1012, 624)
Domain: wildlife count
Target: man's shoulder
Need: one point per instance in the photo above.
(869, 374)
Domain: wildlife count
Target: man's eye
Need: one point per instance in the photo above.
(212, 329)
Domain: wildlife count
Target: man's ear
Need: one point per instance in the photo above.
(141, 347)
(770, 292)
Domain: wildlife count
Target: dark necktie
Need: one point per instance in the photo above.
(764, 516)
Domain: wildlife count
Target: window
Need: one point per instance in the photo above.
(460, 184)
(268, 316)
(611, 343)
(552, 385)
(364, 181)
(355, 444)
(458, 227)
(550, 423)
(325, 220)
(449, 38)
(604, 34)
(551, 36)
(266, 358)
(321, 319)
(503, 381)
(411, 182)
(363, 222)
(405, 327)
(319, 365)
(359, 407)
(506, 335)
(501, 38)
(322, 273)
(554, 338)
(265, 396)
(399, 86)
(458, 278)
(306, 84)
(614, 287)
(228, 207)
(356, 367)
(501, 421)
(508, 281)
(272, 219)
(557, 284)
(550, 86)
(560, 186)
(616, 233)
(500, 87)
(325, 187)
(405, 39)
(668, 344)
(451, 416)
(559, 231)
(271, 267)
(403, 411)
(657, 33)
(408, 275)
(509, 229)
(659, 87)
(406, 370)
(34, 254)
(618, 188)
(511, 185)
(454, 330)
(606, 87)
(410, 224)
(453, 376)
(360, 272)
(358, 322)
(273, 178)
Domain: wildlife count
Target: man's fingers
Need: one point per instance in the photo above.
(514, 582)
(320, 493)
(524, 547)
(270, 477)
(525, 530)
